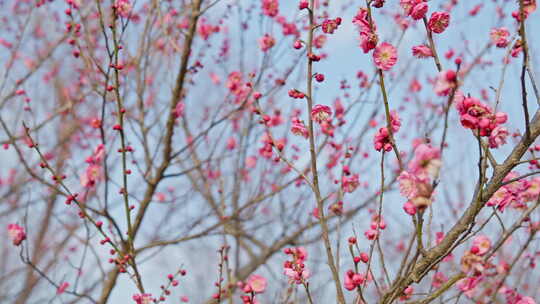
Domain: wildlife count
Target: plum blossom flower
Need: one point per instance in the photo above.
(422, 51)
(62, 288)
(509, 193)
(409, 208)
(367, 29)
(350, 183)
(321, 113)
(408, 184)
(298, 128)
(417, 9)
(144, 298)
(205, 29)
(257, 283)
(498, 137)
(426, 161)
(467, 285)
(91, 175)
(472, 263)
(481, 245)
(382, 140)
(330, 25)
(123, 8)
(179, 110)
(270, 7)
(407, 293)
(499, 37)
(446, 81)
(533, 190)
(266, 42)
(416, 183)
(16, 233)
(438, 22)
(476, 115)
(439, 279)
(385, 56)
(526, 300)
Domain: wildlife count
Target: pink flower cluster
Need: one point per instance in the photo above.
(93, 171)
(416, 183)
(122, 8)
(499, 37)
(513, 297)
(270, 8)
(353, 280)
(349, 183)
(255, 284)
(330, 25)
(299, 128)
(377, 223)
(368, 37)
(294, 93)
(382, 138)
(476, 115)
(473, 264)
(266, 42)
(295, 268)
(515, 194)
(446, 82)
(205, 29)
(16, 233)
(417, 9)
(237, 86)
(144, 298)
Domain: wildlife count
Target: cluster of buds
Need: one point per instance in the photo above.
(120, 261)
(295, 268)
(294, 93)
(353, 279)
(145, 298)
(477, 116)
(377, 223)
(382, 139)
(330, 25)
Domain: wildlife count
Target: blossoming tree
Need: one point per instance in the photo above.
(238, 151)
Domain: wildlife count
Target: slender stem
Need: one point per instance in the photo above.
(313, 154)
